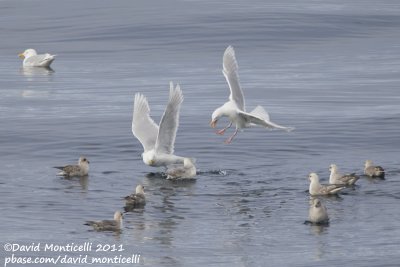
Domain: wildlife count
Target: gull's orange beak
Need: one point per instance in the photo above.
(213, 123)
(21, 55)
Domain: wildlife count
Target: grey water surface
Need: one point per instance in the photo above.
(329, 68)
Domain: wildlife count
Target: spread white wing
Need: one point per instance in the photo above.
(230, 71)
(260, 117)
(169, 121)
(143, 126)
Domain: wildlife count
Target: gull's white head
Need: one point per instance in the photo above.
(149, 158)
(140, 189)
(368, 163)
(215, 117)
(83, 161)
(28, 53)
(313, 177)
(333, 168)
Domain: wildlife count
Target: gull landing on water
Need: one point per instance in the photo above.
(158, 140)
(234, 109)
(32, 59)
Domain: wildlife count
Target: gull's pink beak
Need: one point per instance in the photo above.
(213, 123)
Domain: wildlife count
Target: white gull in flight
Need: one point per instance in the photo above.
(235, 109)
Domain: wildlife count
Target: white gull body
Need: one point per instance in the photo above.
(32, 59)
(158, 140)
